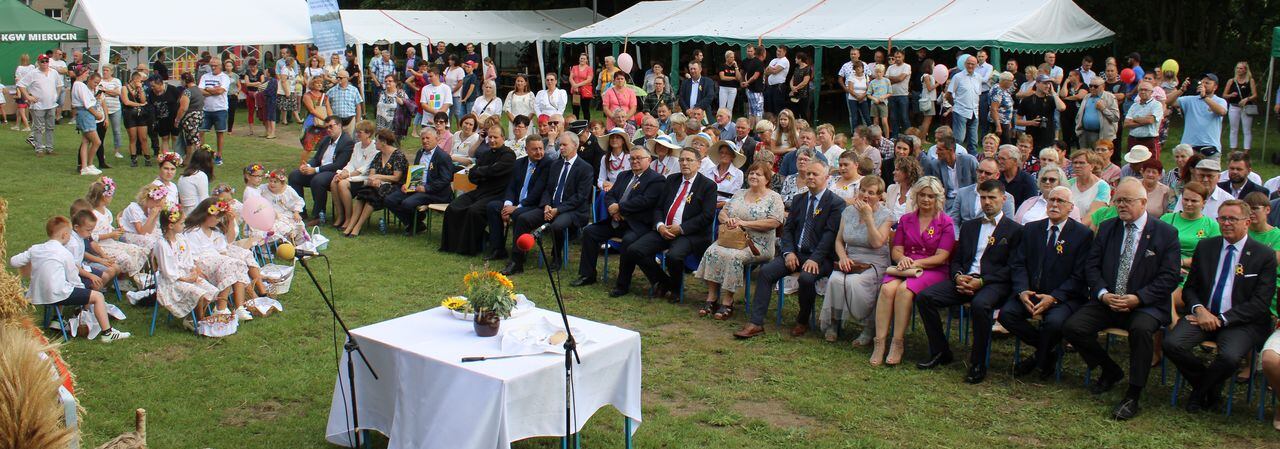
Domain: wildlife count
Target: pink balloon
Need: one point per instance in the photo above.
(258, 213)
(625, 63)
(1127, 75)
(939, 74)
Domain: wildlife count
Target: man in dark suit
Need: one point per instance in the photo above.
(566, 201)
(683, 219)
(629, 213)
(980, 276)
(1131, 272)
(528, 179)
(955, 170)
(1228, 293)
(1016, 181)
(807, 247)
(698, 91)
(1048, 281)
(1238, 183)
(331, 154)
(746, 144)
(964, 206)
(437, 182)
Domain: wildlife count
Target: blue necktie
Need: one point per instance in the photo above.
(524, 189)
(1215, 301)
(808, 220)
(564, 173)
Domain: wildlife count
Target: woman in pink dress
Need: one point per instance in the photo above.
(923, 240)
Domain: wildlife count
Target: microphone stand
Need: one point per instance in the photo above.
(570, 347)
(350, 346)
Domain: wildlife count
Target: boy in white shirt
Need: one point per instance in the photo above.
(55, 280)
(95, 271)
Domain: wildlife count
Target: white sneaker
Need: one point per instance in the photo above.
(118, 155)
(90, 170)
(243, 314)
(136, 296)
(85, 172)
(222, 312)
(113, 335)
(188, 324)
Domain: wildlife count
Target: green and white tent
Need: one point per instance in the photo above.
(23, 30)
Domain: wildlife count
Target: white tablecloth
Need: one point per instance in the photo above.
(426, 398)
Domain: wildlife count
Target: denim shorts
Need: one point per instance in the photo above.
(215, 120)
(85, 121)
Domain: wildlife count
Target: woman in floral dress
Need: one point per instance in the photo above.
(756, 210)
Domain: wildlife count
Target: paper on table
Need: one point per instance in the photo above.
(536, 337)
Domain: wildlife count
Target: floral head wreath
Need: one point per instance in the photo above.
(108, 186)
(158, 192)
(223, 188)
(254, 168)
(175, 213)
(219, 207)
(171, 157)
(277, 174)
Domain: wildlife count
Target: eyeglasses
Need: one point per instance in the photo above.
(553, 122)
(1229, 220)
(1126, 201)
(1057, 201)
(1048, 180)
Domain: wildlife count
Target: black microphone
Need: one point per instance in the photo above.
(537, 233)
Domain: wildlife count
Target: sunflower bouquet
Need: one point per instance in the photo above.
(489, 292)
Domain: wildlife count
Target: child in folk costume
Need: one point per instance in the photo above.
(254, 176)
(169, 163)
(204, 233)
(182, 287)
(288, 206)
(139, 220)
(130, 258)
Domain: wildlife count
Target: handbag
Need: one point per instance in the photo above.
(907, 273)
(1250, 109)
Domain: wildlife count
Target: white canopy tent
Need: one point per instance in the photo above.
(164, 23)
(366, 26)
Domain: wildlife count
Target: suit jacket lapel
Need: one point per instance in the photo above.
(1144, 242)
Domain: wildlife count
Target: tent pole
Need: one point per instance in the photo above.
(1266, 121)
(613, 50)
(559, 55)
(994, 52)
(638, 67)
(591, 54)
(673, 73)
(817, 81)
(542, 66)
(364, 76)
(104, 55)
(484, 54)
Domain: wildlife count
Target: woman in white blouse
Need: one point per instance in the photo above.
(352, 176)
(488, 104)
(1034, 208)
(616, 160)
(664, 159)
(518, 102)
(465, 141)
(897, 197)
(519, 131)
(551, 100)
(193, 186)
(724, 172)
(845, 183)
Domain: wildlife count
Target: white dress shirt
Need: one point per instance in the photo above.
(1231, 279)
(679, 216)
(54, 274)
(1141, 222)
(984, 233)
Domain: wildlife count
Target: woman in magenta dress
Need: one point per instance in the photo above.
(924, 239)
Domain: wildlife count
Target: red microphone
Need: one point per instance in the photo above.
(525, 242)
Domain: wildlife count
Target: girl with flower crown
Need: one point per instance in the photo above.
(205, 235)
(139, 220)
(287, 204)
(169, 163)
(181, 286)
(254, 175)
(130, 258)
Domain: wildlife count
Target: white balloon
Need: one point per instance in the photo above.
(625, 62)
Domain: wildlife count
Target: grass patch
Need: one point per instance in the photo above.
(270, 385)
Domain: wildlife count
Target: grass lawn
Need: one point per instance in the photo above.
(269, 386)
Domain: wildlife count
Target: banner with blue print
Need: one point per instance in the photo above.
(326, 27)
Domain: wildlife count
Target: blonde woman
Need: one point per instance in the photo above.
(923, 242)
(1241, 96)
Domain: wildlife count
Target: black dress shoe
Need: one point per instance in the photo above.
(1026, 366)
(939, 359)
(1126, 410)
(582, 280)
(1195, 403)
(617, 291)
(1106, 381)
(496, 255)
(1047, 372)
(512, 268)
(1211, 399)
(977, 373)
(659, 291)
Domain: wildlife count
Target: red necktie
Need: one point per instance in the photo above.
(671, 214)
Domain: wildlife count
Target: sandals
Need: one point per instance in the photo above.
(707, 309)
(725, 312)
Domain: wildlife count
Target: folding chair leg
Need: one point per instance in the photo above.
(62, 324)
(155, 311)
(782, 300)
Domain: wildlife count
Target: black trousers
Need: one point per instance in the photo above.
(1082, 330)
(775, 98)
(403, 204)
(497, 228)
(943, 295)
(1234, 343)
(462, 230)
(641, 254)
(768, 274)
(319, 184)
(532, 218)
(1015, 317)
(597, 234)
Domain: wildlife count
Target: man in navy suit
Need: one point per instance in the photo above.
(807, 247)
(331, 154)
(437, 182)
(566, 201)
(698, 91)
(1238, 183)
(629, 213)
(1048, 281)
(523, 194)
(1228, 294)
(682, 227)
(980, 276)
(1132, 269)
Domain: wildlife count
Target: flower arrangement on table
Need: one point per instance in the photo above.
(491, 297)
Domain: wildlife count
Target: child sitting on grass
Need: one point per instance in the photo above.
(55, 277)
